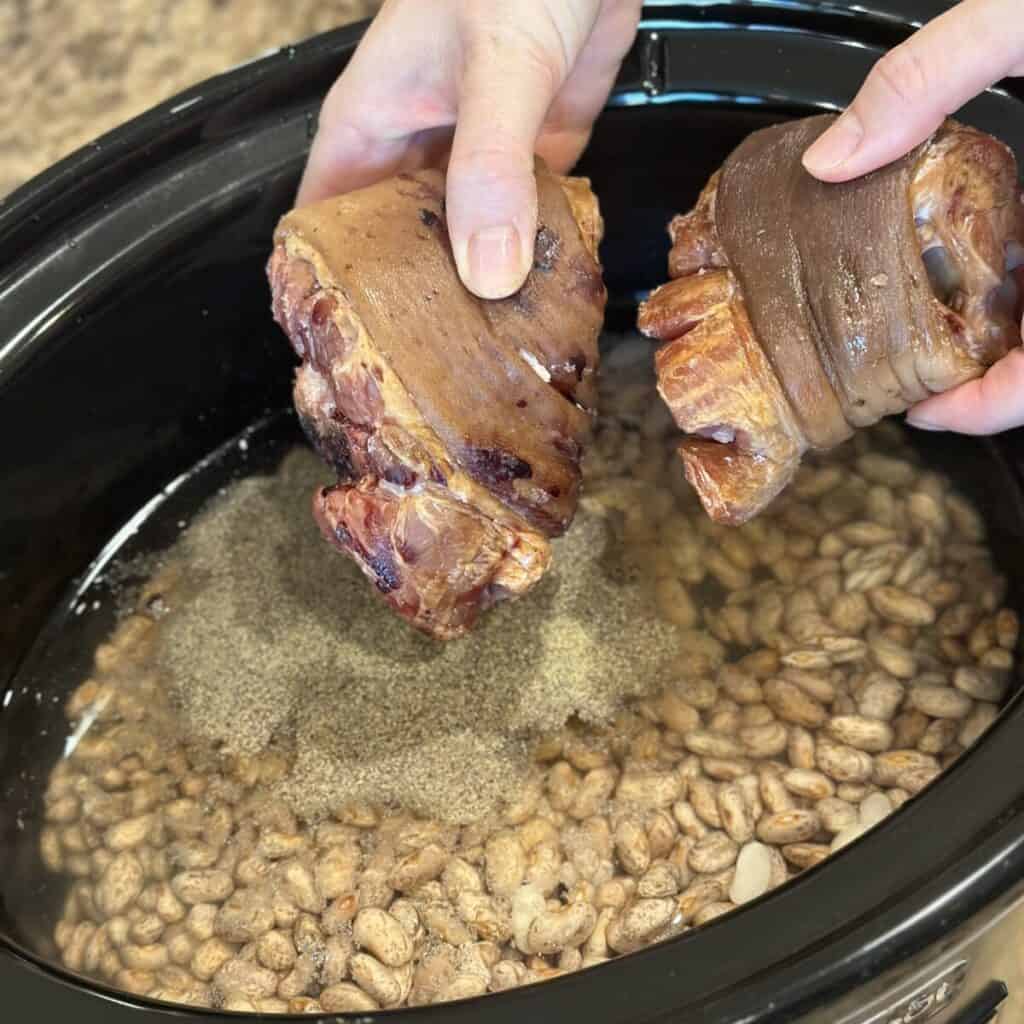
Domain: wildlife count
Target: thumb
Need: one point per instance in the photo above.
(915, 86)
(991, 404)
(492, 192)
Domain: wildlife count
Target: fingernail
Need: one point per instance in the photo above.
(495, 262)
(923, 424)
(836, 146)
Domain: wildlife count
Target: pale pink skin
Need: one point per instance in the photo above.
(904, 99)
(493, 83)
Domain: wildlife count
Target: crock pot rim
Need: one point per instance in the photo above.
(992, 856)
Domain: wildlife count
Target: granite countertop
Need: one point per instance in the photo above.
(74, 69)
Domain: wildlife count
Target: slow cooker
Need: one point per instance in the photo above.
(136, 340)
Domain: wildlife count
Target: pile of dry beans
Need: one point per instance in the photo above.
(838, 653)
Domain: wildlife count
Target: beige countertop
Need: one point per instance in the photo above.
(74, 69)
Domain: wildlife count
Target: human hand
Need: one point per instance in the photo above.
(497, 82)
(905, 98)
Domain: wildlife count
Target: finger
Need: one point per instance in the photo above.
(991, 404)
(581, 99)
(347, 158)
(343, 158)
(491, 190)
(372, 121)
(915, 86)
(517, 58)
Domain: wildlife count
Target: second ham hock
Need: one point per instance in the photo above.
(800, 311)
(456, 425)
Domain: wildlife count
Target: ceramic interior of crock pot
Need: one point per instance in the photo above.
(138, 340)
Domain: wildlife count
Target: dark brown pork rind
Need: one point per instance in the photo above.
(801, 311)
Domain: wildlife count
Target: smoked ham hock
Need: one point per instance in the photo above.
(800, 311)
(456, 425)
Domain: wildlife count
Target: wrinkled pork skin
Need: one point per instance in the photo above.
(799, 311)
(455, 425)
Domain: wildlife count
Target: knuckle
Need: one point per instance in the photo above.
(503, 45)
(904, 73)
(488, 166)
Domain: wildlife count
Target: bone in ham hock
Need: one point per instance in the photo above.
(800, 311)
(456, 425)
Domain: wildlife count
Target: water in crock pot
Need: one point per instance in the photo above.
(276, 798)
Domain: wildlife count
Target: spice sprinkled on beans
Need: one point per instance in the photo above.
(290, 803)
